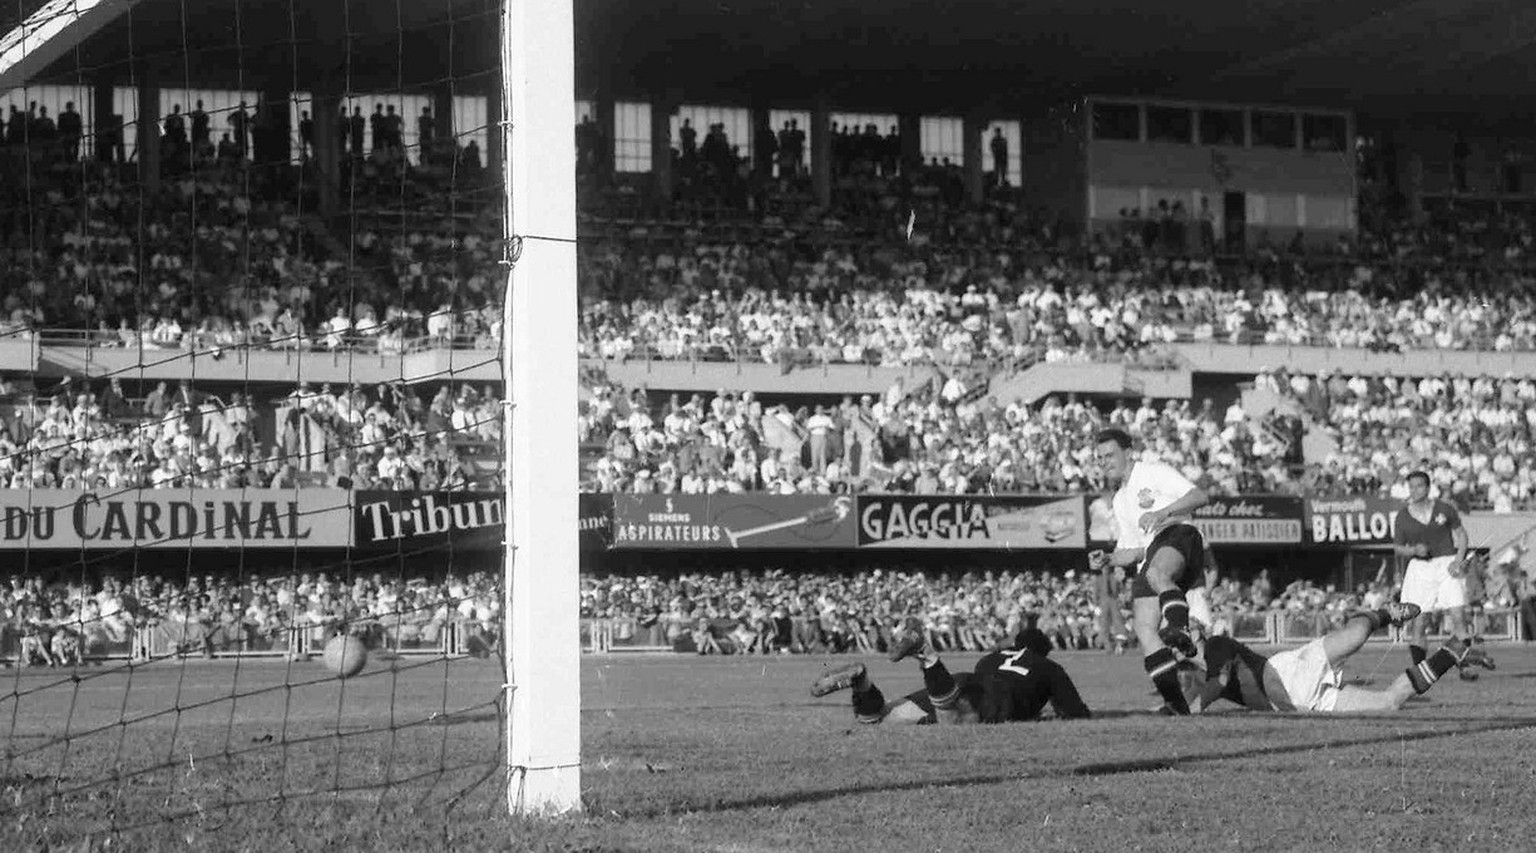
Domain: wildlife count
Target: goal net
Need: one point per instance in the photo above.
(260, 314)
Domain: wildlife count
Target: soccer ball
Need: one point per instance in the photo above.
(345, 655)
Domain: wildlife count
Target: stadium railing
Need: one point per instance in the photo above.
(617, 635)
(316, 341)
(161, 640)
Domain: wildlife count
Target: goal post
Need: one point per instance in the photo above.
(539, 343)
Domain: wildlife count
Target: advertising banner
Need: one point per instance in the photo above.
(461, 520)
(1251, 521)
(723, 521)
(596, 521)
(1351, 521)
(970, 521)
(175, 518)
(414, 520)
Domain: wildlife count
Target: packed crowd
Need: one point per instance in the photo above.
(967, 289)
(801, 612)
(941, 439)
(1473, 434)
(1476, 435)
(880, 303)
(58, 624)
(211, 261)
(386, 437)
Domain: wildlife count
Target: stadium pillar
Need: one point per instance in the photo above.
(661, 149)
(442, 111)
(493, 142)
(147, 128)
(276, 126)
(603, 104)
(325, 113)
(762, 129)
(821, 152)
(909, 127)
(971, 132)
(103, 110)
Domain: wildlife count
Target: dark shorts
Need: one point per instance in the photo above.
(1184, 538)
(971, 691)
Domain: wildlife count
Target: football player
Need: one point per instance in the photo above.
(1309, 679)
(1152, 507)
(1007, 685)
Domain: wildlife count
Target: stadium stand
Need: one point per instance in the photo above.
(759, 275)
(386, 437)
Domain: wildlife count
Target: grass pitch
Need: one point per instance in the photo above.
(732, 754)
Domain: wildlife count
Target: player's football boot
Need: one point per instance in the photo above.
(1468, 655)
(913, 641)
(1399, 612)
(841, 678)
(1179, 641)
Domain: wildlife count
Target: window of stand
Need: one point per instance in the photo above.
(1323, 132)
(1170, 124)
(1119, 122)
(1273, 129)
(1221, 127)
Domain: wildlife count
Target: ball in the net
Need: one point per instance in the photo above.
(345, 655)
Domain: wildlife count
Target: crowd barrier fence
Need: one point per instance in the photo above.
(615, 635)
(168, 639)
(619, 635)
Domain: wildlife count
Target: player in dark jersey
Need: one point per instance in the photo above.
(1429, 537)
(1008, 685)
(1309, 679)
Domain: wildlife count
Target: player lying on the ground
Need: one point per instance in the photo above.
(1007, 685)
(1309, 679)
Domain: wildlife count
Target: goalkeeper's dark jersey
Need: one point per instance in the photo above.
(1240, 671)
(1016, 684)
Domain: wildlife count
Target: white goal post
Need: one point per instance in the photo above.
(538, 117)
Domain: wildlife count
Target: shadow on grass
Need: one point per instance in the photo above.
(1107, 768)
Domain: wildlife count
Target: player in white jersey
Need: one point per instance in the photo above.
(1152, 506)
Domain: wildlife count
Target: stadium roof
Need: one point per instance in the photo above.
(1420, 53)
(1389, 55)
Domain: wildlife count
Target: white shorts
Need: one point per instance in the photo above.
(1428, 583)
(1301, 679)
(1200, 607)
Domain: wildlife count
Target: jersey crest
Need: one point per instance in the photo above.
(1145, 498)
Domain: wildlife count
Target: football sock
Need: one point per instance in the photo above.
(1416, 654)
(868, 701)
(1163, 666)
(1175, 609)
(940, 684)
(1425, 673)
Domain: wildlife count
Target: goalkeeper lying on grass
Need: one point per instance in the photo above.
(1007, 685)
(1309, 679)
